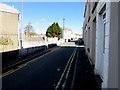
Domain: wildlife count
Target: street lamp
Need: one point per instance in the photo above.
(63, 28)
(63, 23)
(21, 41)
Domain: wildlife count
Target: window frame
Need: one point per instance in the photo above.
(104, 30)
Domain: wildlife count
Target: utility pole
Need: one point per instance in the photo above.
(21, 41)
(63, 27)
(63, 23)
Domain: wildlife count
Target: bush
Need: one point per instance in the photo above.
(5, 41)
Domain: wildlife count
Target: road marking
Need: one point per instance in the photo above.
(58, 69)
(25, 64)
(72, 56)
(57, 86)
(63, 86)
(10, 72)
(73, 79)
(54, 85)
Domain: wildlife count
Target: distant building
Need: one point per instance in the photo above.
(9, 24)
(73, 36)
(36, 36)
(100, 34)
(77, 36)
(67, 34)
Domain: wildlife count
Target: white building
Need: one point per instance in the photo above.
(67, 34)
(107, 43)
(77, 36)
(100, 32)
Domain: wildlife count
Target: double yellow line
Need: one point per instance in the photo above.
(25, 64)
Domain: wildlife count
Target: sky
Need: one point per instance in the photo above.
(42, 14)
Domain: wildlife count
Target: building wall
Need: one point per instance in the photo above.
(100, 36)
(0, 22)
(93, 46)
(9, 29)
(89, 30)
(105, 63)
(66, 34)
(102, 53)
(113, 60)
(107, 57)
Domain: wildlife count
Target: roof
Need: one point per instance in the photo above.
(7, 8)
(66, 29)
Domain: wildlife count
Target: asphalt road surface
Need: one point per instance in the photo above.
(42, 72)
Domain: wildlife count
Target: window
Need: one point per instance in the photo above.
(104, 37)
(95, 5)
(104, 16)
(89, 19)
(104, 30)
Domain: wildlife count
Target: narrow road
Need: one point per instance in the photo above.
(43, 72)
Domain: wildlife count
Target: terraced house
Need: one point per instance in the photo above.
(100, 34)
(9, 24)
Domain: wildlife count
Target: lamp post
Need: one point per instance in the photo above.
(63, 27)
(21, 34)
(63, 23)
(21, 41)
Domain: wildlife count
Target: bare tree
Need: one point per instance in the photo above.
(29, 28)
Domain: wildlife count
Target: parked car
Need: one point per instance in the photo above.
(69, 40)
(52, 45)
(80, 41)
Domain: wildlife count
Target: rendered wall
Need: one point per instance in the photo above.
(113, 60)
(9, 29)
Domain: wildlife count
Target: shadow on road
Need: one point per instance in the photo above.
(81, 75)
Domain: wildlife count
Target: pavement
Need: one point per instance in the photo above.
(65, 67)
(84, 77)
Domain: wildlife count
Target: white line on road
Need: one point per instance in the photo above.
(63, 86)
(73, 79)
(57, 86)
